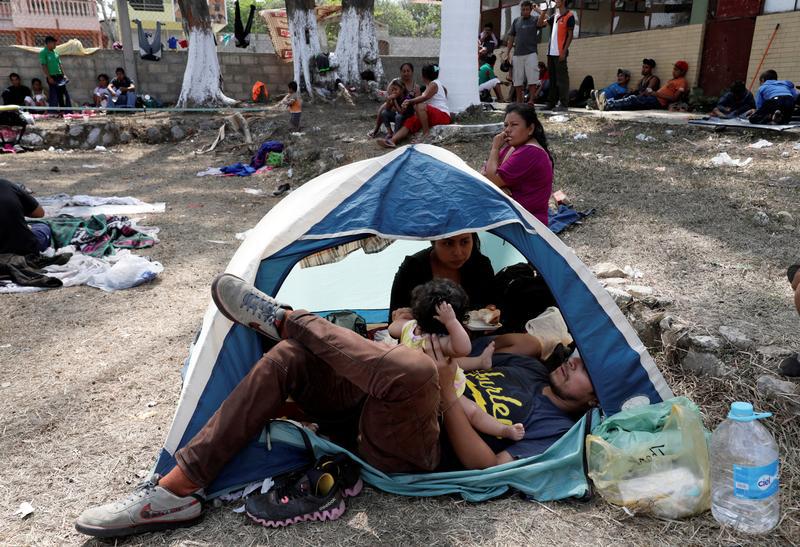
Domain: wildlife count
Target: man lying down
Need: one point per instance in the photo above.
(399, 398)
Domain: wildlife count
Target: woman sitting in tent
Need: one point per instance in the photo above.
(456, 258)
(520, 162)
(430, 109)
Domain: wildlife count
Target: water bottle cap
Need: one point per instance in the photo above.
(743, 412)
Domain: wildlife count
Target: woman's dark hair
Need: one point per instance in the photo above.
(33, 81)
(409, 65)
(425, 298)
(430, 72)
(104, 76)
(528, 113)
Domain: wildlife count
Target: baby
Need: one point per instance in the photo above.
(437, 308)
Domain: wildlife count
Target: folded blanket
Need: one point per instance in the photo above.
(97, 235)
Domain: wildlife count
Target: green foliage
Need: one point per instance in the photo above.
(406, 19)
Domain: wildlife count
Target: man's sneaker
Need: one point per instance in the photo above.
(601, 101)
(317, 495)
(242, 303)
(791, 366)
(148, 508)
(346, 470)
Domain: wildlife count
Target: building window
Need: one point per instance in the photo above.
(147, 5)
(604, 17)
(775, 6)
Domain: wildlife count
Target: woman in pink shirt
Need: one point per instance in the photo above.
(519, 161)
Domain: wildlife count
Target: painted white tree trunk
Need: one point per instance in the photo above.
(201, 77)
(305, 42)
(458, 57)
(357, 46)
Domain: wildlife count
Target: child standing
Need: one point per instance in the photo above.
(437, 307)
(295, 106)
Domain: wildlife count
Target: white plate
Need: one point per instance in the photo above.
(481, 326)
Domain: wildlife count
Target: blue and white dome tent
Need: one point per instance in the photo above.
(413, 195)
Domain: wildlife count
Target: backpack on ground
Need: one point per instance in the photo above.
(522, 294)
(349, 320)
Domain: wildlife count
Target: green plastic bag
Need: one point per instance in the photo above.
(652, 459)
(275, 159)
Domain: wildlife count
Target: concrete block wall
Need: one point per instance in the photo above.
(391, 65)
(601, 56)
(784, 54)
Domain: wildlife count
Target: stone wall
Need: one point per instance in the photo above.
(161, 79)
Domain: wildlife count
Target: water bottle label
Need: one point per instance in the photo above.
(755, 483)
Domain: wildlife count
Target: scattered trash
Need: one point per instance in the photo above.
(348, 139)
(580, 136)
(635, 273)
(280, 190)
(151, 404)
(669, 132)
(5, 346)
(645, 138)
(210, 172)
(559, 118)
(297, 134)
(5, 385)
(762, 143)
(92, 165)
(55, 169)
(99, 148)
(24, 510)
(217, 241)
(796, 146)
(146, 415)
(723, 159)
(238, 509)
(289, 173)
(602, 158)
(253, 191)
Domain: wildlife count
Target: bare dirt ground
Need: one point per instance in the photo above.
(84, 366)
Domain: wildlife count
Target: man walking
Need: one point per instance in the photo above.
(54, 73)
(562, 23)
(522, 37)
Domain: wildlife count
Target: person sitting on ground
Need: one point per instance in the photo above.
(674, 90)
(520, 162)
(791, 365)
(430, 109)
(617, 89)
(649, 80)
(122, 90)
(774, 100)
(544, 83)
(437, 307)
(101, 94)
(736, 102)
(487, 41)
(580, 97)
(395, 408)
(39, 97)
(487, 81)
(391, 111)
(16, 235)
(16, 93)
(407, 78)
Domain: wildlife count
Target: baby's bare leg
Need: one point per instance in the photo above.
(489, 425)
(481, 362)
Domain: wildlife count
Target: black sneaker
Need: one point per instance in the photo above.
(317, 495)
(346, 470)
(791, 366)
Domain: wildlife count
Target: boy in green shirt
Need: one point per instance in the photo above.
(54, 72)
(486, 78)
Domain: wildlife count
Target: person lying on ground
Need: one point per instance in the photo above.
(391, 111)
(774, 100)
(437, 308)
(395, 395)
(39, 97)
(674, 90)
(617, 89)
(101, 94)
(16, 93)
(122, 90)
(487, 81)
(457, 258)
(430, 109)
(16, 235)
(791, 365)
(649, 80)
(407, 78)
(520, 162)
(735, 102)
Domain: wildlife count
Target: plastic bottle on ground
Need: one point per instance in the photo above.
(744, 472)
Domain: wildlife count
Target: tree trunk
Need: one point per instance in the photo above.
(357, 46)
(458, 57)
(201, 79)
(108, 27)
(305, 39)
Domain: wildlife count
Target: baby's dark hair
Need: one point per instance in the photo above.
(424, 299)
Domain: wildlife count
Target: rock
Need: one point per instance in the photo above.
(760, 218)
(773, 352)
(705, 343)
(75, 130)
(108, 138)
(207, 125)
(785, 219)
(607, 269)
(621, 298)
(615, 281)
(674, 338)
(32, 139)
(646, 322)
(177, 132)
(94, 137)
(152, 135)
(455, 132)
(704, 364)
(124, 137)
(639, 291)
(736, 338)
(777, 390)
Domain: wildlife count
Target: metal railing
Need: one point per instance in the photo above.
(54, 8)
(5, 9)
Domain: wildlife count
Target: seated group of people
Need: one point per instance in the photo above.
(775, 102)
(402, 408)
(649, 94)
(118, 92)
(22, 95)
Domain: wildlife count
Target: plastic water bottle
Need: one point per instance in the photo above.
(744, 472)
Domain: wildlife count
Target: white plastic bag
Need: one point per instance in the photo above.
(128, 271)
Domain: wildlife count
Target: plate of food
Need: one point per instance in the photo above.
(487, 318)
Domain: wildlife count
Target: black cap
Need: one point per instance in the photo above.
(649, 62)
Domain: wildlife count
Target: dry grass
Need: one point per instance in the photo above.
(83, 364)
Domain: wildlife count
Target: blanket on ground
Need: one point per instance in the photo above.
(98, 235)
(566, 216)
(26, 271)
